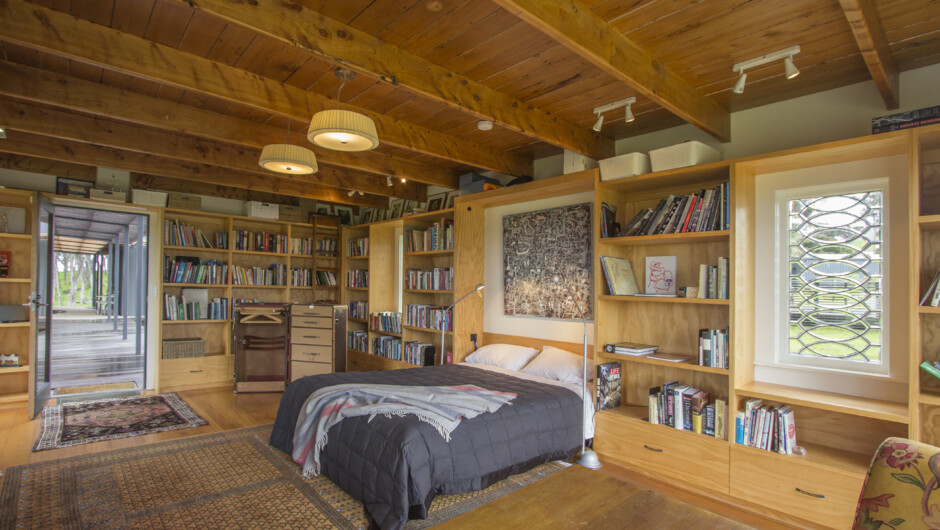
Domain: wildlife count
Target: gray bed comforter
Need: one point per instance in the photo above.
(396, 466)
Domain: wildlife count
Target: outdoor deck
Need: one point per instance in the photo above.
(86, 350)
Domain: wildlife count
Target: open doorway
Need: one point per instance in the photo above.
(99, 283)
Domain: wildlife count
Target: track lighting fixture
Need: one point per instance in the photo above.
(352, 192)
(3, 133)
(404, 180)
(388, 181)
(627, 116)
(790, 69)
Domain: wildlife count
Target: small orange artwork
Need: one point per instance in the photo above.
(4, 263)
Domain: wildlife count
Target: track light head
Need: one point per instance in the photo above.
(352, 192)
(3, 133)
(628, 113)
(599, 123)
(789, 68)
(739, 86)
(388, 180)
(362, 193)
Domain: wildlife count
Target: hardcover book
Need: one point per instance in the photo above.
(608, 386)
(619, 274)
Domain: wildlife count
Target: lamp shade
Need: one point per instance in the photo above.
(343, 130)
(288, 158)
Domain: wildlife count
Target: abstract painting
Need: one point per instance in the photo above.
(539, 245)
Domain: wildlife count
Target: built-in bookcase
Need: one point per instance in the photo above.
(14, 290)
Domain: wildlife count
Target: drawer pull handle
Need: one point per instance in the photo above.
(311, 336)
(811, 494)
(653, 449)
(194, 371)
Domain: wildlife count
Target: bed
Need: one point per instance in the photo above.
(396, 466)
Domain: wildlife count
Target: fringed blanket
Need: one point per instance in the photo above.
(441, 406)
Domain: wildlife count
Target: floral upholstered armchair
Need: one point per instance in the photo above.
(899, 488)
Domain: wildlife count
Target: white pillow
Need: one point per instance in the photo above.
(507, 356)
(555, 363)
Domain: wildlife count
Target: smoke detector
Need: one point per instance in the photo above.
(485, 125)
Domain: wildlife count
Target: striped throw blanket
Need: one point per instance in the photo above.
(441, 406)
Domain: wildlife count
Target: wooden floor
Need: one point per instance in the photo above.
(573, 498)
(87, 350)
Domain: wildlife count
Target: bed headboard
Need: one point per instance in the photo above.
(498, 338)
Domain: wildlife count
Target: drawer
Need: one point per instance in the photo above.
(308, 311)
(300, 369)
(311, 336)
(195, 372)
(790, 484)
(311, 322)
(311, 353)
(681, 458)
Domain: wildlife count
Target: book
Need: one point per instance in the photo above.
(928, 295)
(609, 225)
(721, 415)
(930, 369)
(630, 348)
(608, 385)
(789, 424)
(198, 296)
(619, 275)
(660, 275)
(739, 427)
(670, 357)
(654, 396)
(708, 420)
(667, 405)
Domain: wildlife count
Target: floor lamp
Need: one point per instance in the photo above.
(588, 457)
(476, 289)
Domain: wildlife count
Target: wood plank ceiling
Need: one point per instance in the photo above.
(184, 93)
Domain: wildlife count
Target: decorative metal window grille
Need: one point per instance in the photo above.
(836, 275)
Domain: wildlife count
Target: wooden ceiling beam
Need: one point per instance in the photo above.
(33, 84)
(575, 26)
(349, 47)
(48, 167)
(870, 35)
(47, 121)
(156, 182)
(60, 34)
(21, 143)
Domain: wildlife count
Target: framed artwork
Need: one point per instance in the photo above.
(379, 215)
(542, 244)
(365, 215)
(394, 208)
(451, 195)
(72, 187)
(437, 201)
(323, 209)
(344, 213)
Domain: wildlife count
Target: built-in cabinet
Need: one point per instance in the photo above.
(15, 288)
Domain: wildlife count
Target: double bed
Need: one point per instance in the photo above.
(397, 465)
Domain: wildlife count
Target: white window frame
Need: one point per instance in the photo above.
(781, 347)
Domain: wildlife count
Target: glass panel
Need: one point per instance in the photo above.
(835, 286)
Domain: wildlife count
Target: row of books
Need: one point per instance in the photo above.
(357, 340)
(419, 353)
(439, 236)
(189, 269)
(713, 348)
(429, 317)
(932, 296)
(699, 212)
(260, 241)
(687, 408)
(766, 427)
(358, 309)
(357, 247)
(386, 321)
(176, 233)
(301, 245)
(387, 347)
(713, 280)
(300, 277)
(437, 279)
(326, 244)
(325, 277)
(180, 308)
(358, 278)
(275, 274)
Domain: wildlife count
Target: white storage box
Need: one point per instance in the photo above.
(682, 155)
(261, 210)
(148, 198)
(628, 165)
(107, 195)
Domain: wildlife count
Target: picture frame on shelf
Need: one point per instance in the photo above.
(323, 209)
(437, 201)
(379, 215)
(451, 195)
(395, 208)
(344, 213)
(73, 187)
(365, 215)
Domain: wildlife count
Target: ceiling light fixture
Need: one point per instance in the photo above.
(388, 181)
(288, 158)
(352, 192)
(404, 180)
(627, 116)
(790, 69)
(343, 130)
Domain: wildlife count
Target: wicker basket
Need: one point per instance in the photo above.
(185, 202)
(289, 214)
(261, 210)
(183, 348)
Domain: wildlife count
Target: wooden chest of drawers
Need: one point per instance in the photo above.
(317, 340)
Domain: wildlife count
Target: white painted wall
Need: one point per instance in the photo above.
(494, 320)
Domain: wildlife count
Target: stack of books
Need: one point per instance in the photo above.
(631, 348)
(766, 427)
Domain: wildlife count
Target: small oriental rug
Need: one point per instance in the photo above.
(231, 479)
(93, 421)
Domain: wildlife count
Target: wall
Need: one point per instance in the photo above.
(494, 320)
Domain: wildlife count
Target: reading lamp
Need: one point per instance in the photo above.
(588, 457)
(476, 289)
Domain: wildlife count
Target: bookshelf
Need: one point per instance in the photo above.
(355, 250)
(925, 218)
(16, 337)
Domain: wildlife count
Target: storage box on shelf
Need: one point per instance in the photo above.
(16, 246)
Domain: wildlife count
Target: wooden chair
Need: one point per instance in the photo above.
(899, 488)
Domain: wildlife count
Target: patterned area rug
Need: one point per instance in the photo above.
(231, 479)
(93, 421)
